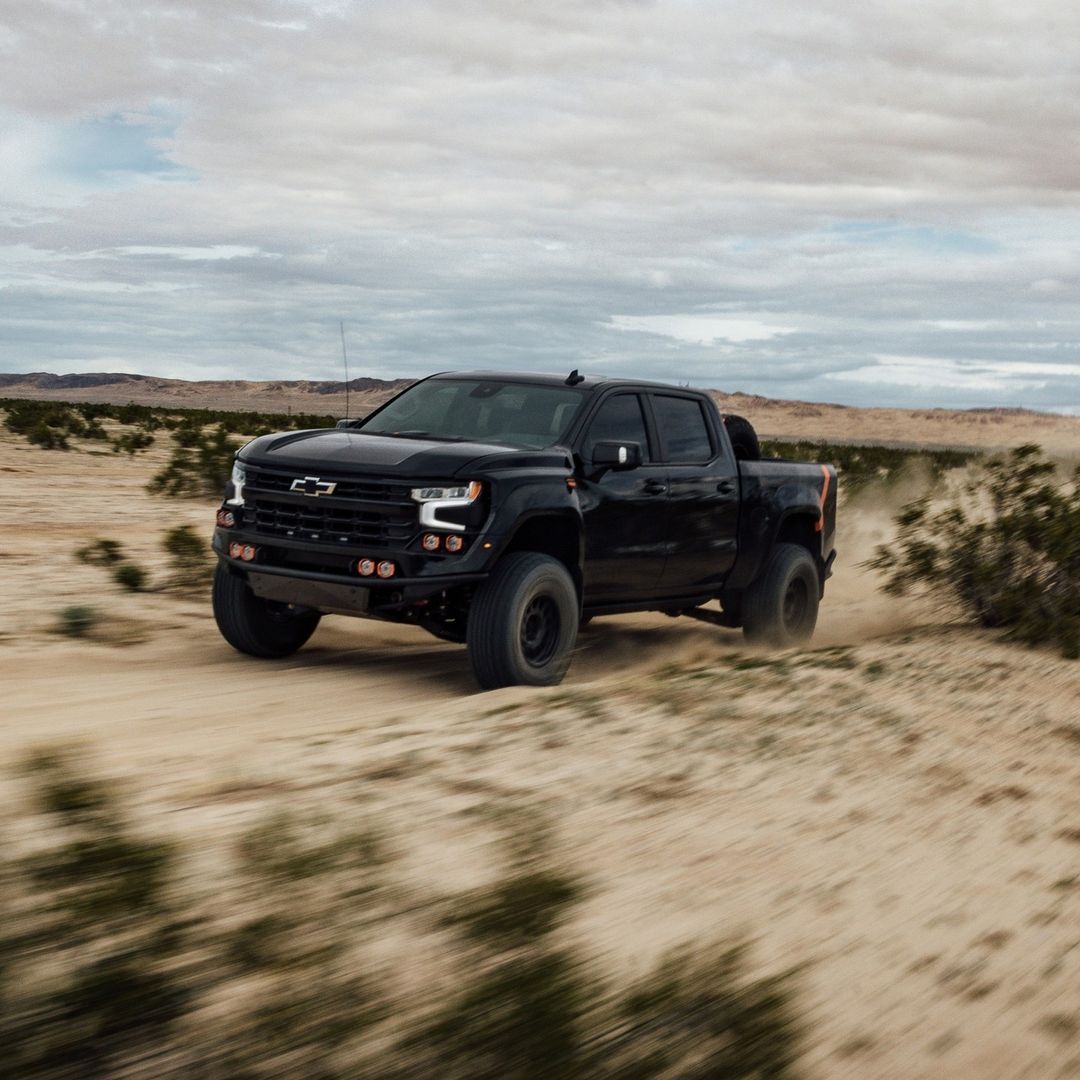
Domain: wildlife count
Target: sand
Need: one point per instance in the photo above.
(894, 809)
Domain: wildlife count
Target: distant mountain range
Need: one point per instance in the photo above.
(44, 380)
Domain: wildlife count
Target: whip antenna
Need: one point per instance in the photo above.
(345, 361)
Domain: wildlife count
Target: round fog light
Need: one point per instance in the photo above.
(386, 569)
(248, 553)
(431, 542)
(454, 544)
(234, 550)
(226, 519)
(365, 567)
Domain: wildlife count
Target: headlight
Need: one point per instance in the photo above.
(237, 480)
(434, 499)
(461, 495)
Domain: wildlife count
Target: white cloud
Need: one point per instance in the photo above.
(210, 251)
(769, 194)
(700, 329)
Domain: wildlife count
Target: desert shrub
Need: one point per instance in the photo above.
(132, 442)
(189, 555)
(90, 944)
(858, 466)
(82, 419)
(532, 1006)
(1005, 545)
(187, 433)
(700, 1017)
(44, 423)
(101, 552)
(130, 575)
(113, 962)
(199, 470)
(24, 416)
(48, 438)
(77, 620)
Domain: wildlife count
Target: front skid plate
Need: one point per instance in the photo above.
(314, 594)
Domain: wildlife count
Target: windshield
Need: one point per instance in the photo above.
(480, 410)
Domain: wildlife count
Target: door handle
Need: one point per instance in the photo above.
(654, 487)
(726, 487)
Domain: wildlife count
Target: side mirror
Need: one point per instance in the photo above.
(345, 423)
(616, 455)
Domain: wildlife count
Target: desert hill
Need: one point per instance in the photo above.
(777, 418)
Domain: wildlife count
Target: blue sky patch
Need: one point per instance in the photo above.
(116, 149)
(922, 237)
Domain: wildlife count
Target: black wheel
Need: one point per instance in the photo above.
(744, 440)
(781, 607)
(523, 623)
(255, 626)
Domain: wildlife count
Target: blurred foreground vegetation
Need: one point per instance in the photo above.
(116, 960)
(859, 466)
(1004, 544)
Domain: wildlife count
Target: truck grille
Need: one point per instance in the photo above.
(360, 513)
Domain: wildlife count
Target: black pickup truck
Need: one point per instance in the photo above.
(504, 510)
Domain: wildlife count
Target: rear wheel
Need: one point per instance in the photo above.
(255, 626)
(523, 622)
(781, 607)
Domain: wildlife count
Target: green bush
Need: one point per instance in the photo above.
(199, 470)
(77, 621)
(130, 575)
(189, 555)
(114, 963)
(90, 949)
(48, 438)
(45, 424)
(859, 466)
(101, 553)
(49, 424)
(132, 442)
(1005, 545)
(187, 433)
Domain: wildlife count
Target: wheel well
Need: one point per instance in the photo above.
(800, 529)
(558, 537)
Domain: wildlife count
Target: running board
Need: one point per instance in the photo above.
(709, 615)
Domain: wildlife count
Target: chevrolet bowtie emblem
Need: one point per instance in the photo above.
(312, 485)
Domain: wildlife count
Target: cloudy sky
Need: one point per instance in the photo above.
(856, 202)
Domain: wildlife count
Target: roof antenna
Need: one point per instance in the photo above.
(574, 378)
(345, 360)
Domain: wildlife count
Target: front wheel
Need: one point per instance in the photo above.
(781, 607)
(256, 626)
(523, 622)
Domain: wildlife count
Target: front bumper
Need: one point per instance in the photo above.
(343, 591)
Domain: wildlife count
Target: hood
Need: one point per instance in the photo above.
(340, 450)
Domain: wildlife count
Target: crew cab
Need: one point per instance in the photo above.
(504, 510)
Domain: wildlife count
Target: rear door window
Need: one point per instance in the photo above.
(684, 433)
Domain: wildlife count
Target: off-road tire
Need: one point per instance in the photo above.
(781, 607)
(523, 622)
(744, 440)
(255, 626)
